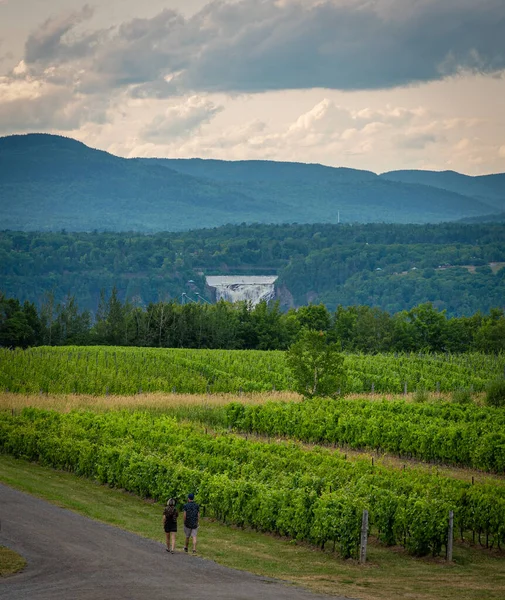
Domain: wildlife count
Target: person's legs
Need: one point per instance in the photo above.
(187, 533)
(172, 540)
(168, 540)
(193, 533)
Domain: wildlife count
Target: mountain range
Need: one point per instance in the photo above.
(50, 183)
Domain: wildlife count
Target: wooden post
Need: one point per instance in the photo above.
(373, 387)
(450, 536)
(364, 537)
(405, 389)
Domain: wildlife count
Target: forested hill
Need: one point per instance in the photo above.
(49, 183)
(488, 188)
(459, 268)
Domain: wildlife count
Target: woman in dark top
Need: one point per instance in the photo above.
(170, 515)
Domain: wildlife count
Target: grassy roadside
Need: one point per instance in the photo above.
(389, 574)
(10, 562)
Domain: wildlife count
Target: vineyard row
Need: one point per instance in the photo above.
(115, 370)
(466, 435)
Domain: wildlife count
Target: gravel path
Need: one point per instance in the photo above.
(72, 557)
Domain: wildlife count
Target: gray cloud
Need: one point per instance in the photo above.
(418, 142)
(259, 45)
(69, 75)
(49, 42)
(358, 45)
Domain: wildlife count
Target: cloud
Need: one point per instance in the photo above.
(31, 105)
(418, 142)
(48, 43)
(156, 81)
(180, 119)
(260, 45)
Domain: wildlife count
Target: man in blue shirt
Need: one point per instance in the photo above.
(191, 516)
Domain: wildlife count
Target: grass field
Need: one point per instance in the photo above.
(475, 574)
(10, 562)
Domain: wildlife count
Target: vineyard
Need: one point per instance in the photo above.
(466, 435)
(308, 494)
(119, 370)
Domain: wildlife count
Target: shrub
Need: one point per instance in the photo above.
(421, 395)
(495, 392)
(462, 396)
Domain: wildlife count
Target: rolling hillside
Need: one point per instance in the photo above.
(49, 183)
(488, 188)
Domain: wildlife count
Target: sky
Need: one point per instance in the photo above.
(368, 84)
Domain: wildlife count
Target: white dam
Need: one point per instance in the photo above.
(250, 288)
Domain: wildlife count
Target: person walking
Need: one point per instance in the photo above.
(191, 517)
(170, 515)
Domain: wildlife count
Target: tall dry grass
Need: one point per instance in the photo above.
(154, 401)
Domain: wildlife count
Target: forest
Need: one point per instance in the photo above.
(456, 267)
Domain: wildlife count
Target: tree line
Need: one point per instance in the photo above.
(224, 325)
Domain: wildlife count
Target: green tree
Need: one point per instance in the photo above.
(19, 325)
(316, 364)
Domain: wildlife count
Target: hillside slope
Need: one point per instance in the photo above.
(460, 268)
(318, 193)
(488, 188)
(51, 183)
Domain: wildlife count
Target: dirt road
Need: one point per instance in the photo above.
(71, 557)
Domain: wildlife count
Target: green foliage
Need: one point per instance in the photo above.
(20, 325)
(462, 396)
(307, 494)
(466, 435)
(330, 264)
(317, 366)
(421, 395)
(495, 392)
(118, 370)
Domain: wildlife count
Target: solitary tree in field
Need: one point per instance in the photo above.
(317, 365)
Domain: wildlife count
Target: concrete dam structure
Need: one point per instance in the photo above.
(250, 288)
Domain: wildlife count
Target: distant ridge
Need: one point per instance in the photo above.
(50, 183)
(489, 188)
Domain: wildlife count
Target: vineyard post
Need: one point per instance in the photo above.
(450, 535)
(405, 389)
(373, 387)
(364, 537)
